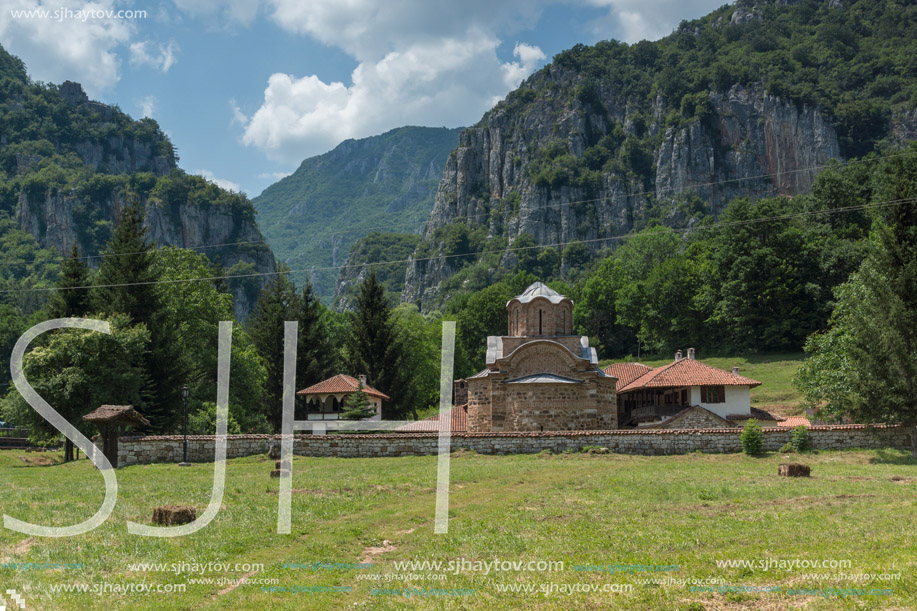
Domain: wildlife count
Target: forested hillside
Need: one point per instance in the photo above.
(750, 101)
(385, 183)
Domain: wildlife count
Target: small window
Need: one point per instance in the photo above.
(539, 322)
(713, 394)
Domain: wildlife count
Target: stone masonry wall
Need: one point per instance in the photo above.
(138, 450)
(698, 418)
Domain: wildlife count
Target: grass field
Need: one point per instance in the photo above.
(682, 511)
(774, 371)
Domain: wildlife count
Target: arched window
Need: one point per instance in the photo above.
(540, 312)
(516, 328)
(563, 322)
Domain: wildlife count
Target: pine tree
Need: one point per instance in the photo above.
(376, 348)
(125, 280)
(126, 284)
(358, 406)
(277, 304)
(315, 356)
(70, 300)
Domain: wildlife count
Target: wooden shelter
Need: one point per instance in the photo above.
(112, 420)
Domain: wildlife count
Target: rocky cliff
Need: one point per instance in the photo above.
(611, 138)
(58, 220)
(65, 180)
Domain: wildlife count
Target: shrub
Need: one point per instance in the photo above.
(752, 438)
(799, 439)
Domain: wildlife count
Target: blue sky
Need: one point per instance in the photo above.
(247, 89)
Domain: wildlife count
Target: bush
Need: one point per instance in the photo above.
(752, 438)
(204, 421)
(799, 439)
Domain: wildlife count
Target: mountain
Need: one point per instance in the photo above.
(750, 100)
(382, 183)
(69, 164)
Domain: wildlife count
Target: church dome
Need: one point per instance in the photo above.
(539, 311)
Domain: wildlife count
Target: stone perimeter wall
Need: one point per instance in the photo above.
(141, 450)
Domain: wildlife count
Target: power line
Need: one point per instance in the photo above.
(545, 207)
(716, 225)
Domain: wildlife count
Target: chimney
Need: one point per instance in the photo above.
(735, 370)
(691, 353)
(362, 377)
(677, 355)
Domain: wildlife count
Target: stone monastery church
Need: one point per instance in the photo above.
(540, 376)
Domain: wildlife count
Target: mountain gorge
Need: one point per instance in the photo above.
(386, 183)
(68, 165)
(749, 101)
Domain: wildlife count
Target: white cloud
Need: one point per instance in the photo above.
(147, 105)
(63, 45)
(426, 62)
(529, 58)
(636, 20)
(159, 56)
(274, 175)
(241, 12)
(449, 81)
(220, 182)
(237, 115)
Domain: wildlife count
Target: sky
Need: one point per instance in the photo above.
(247, 89)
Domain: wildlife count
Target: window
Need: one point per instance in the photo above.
(539, 322)
(563, 322)
(713, 394)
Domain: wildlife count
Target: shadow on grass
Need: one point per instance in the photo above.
(892, 457)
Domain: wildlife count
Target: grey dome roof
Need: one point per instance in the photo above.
(538, 289)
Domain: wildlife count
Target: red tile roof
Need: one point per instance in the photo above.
(341, 383)
(688, 372)
(626, 372)
(794, 421)
(459, 421)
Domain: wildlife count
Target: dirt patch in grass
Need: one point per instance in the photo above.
(238, 583)
(17, 550)
(321, 493)
(38, 460)
(371, 552)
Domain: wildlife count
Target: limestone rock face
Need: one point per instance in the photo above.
(751, 144)
(56, 220)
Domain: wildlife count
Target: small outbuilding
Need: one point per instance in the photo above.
(112, 421)
(325, 400)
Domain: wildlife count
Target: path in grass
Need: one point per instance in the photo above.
(684, 511)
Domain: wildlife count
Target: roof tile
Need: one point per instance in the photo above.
(688, 372)
(341, 383)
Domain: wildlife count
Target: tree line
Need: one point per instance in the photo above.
(164, 321)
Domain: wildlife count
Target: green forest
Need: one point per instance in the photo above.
(832, 272)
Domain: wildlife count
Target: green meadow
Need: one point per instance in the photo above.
(680, 515)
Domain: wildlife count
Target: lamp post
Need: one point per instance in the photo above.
(185, 391)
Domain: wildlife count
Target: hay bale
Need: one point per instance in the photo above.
(793, 470)
(174, 514)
